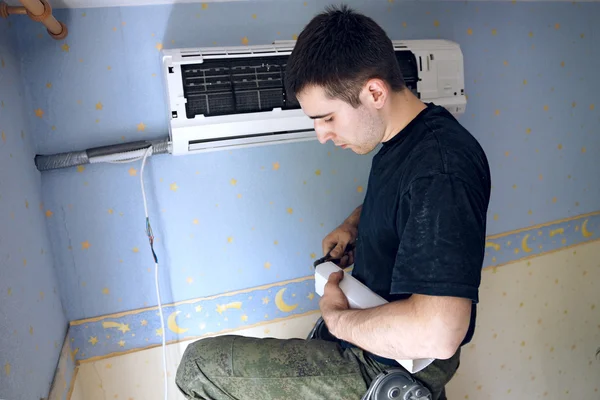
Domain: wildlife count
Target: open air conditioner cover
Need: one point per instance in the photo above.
(235, 96)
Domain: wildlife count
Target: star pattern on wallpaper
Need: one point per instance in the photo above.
(524, 245)
(39, 113)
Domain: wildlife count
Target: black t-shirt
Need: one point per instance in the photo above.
(423, 221)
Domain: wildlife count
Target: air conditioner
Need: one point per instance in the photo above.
(224, 97)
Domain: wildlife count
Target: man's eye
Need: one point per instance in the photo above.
(328, 119)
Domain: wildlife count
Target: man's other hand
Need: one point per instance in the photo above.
(333, 301)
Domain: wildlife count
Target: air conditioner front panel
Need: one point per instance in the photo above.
(235, 85)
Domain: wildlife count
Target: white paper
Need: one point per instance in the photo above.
(361, 297)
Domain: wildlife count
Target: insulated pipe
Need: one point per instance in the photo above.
(39, 11)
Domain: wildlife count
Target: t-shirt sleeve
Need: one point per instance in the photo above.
(443, 221)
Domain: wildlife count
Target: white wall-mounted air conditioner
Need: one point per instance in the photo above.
(224, 97)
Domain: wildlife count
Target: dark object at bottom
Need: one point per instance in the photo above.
(320, 331)
(396, 384)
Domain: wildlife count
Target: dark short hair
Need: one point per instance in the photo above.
(340, 50)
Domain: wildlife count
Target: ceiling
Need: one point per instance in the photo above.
(117, 3)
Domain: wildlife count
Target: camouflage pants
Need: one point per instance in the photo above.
(244, 368)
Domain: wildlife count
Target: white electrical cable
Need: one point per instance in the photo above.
(126, 161)
(125, 156)
(148, 152)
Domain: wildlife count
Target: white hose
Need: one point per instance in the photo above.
(127, 156)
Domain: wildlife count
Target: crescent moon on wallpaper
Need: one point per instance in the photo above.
(281, 304)
(524, 246)
(584, 230)
(172, 324)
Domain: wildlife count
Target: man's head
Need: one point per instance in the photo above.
(343, 70)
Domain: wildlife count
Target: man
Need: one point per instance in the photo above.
(419, 235)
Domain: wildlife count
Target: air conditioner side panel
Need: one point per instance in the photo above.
(441, 73)
(174, 91)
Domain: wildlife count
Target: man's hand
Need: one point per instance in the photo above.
(339, 238)
(333, 302)
(337, 241)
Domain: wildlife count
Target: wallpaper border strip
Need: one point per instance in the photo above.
(117, 334)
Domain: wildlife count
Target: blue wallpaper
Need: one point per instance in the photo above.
(233, 220)
(32, 321)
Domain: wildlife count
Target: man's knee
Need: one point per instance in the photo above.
(201, 360)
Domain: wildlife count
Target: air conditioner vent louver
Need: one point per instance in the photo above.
(234, 86)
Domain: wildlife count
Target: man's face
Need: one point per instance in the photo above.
(359, 129)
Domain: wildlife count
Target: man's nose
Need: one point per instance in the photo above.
(323, 134)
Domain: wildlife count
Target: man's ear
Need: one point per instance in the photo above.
(375, 93)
